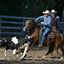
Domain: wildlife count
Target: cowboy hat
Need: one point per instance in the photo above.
(53, 11)
(46, 12)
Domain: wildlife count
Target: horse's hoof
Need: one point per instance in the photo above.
(43, 56)
(61, 57)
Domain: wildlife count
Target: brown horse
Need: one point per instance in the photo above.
(54, 24)
(54, 28)
(33, 30)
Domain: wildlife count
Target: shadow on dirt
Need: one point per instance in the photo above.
(33, 62)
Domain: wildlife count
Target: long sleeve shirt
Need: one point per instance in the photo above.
(56, 19)
(47, 21)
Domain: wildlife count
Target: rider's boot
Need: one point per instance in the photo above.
(40, 45)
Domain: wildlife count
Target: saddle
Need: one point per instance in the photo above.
(51, 36)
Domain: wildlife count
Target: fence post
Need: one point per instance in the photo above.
(23, 27)
(0, 26)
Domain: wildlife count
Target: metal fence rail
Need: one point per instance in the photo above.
(15, 17)
(61, 24)
(12, 27)
(5, 30)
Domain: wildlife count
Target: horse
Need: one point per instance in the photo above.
(54, 24)
(33, 32)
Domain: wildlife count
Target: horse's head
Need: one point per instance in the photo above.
(29, 24)
(53, 21)
(54, 25)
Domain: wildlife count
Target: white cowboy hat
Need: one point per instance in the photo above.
(53, 11)
(46, 12)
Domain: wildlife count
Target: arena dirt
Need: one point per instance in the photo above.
(33, 57)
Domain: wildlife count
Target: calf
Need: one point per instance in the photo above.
(20, 41)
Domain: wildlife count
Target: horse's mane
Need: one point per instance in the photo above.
(33, 21)
(53, 21)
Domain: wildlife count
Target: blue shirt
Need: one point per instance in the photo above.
(47, 21)
(56, 19)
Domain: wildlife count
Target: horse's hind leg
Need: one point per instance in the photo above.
(61, 49)
(51, 49)
(57, 50)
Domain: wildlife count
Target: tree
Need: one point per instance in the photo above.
(29, 8)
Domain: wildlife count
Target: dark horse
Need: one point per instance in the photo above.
(33, 30)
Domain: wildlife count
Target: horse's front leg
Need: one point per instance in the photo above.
(46, 53)
(62, 50)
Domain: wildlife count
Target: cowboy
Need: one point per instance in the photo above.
(47, 24)
(57, 18)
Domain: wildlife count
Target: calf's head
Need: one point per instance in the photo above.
(3, 42)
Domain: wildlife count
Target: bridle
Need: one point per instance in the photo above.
(31, 27)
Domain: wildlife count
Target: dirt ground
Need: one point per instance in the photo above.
(33, 57)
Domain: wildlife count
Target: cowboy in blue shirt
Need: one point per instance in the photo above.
(57, 18)
(47, 24)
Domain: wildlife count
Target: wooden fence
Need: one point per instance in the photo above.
(12, 25)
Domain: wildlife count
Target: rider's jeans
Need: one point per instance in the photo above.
(45, 34)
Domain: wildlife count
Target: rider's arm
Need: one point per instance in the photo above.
(36, 20)
(58, 18)
(40, 17)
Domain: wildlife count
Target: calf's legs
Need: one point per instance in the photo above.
(24, 54)
(14, 52)
(6, 51)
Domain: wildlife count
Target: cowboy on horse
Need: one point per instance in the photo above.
(47, 24)
(53, 38)
(57, 18)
